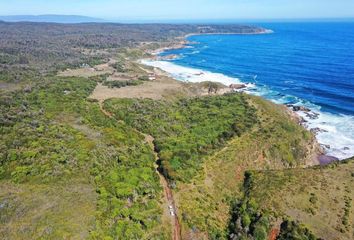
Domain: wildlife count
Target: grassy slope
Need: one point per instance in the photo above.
(319, 197)
(72, 162)
(275, 142)
(208, 180)
(63, 162)
(50, 211)
(187, 129)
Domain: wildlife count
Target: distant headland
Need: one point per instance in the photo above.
(50, 18)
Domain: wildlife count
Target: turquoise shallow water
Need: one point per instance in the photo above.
(309, 64)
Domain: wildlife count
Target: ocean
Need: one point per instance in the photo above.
(304, 64)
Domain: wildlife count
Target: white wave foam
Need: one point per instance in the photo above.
(194, 52)
(339, 129)
(191, 74)
(338, 132)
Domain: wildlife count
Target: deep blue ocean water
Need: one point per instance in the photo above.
(309, 64)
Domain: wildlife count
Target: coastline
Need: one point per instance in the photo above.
(315, 151)
(184, 42)
(264, 31)
(308, 117)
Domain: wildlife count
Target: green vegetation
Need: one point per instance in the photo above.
(248, 221)
(186, 130)
(205, 202)
(120, 84)
(57, 147)
(290, 230)
(64, 137)
(48, 47)
(319, 197)
(119, 66)
(68, 170)
(212, 87)
(201, 141)
(284, 140)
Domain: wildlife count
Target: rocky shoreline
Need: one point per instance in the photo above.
(173, 45)
(322, 158)
(320, 150)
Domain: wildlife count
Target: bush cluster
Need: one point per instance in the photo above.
(188, 129)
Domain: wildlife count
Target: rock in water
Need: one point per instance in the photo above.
(317, 130)
(299, 108)
(237, 86)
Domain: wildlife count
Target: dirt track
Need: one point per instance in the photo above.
(176, 231)
(168, 195)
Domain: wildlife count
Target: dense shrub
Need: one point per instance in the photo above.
(249, 221)
(120, 84)
(52, 133)
(188, 129)
(290, 230)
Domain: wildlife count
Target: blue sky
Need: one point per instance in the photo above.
(183, 9)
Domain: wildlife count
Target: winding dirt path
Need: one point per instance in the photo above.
(176, 229)
(168, 195)
(108, 114)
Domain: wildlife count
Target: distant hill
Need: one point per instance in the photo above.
(50, 18)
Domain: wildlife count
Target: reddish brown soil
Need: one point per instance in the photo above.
(273, 234)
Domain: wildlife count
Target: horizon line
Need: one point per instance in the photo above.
(177, 20)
